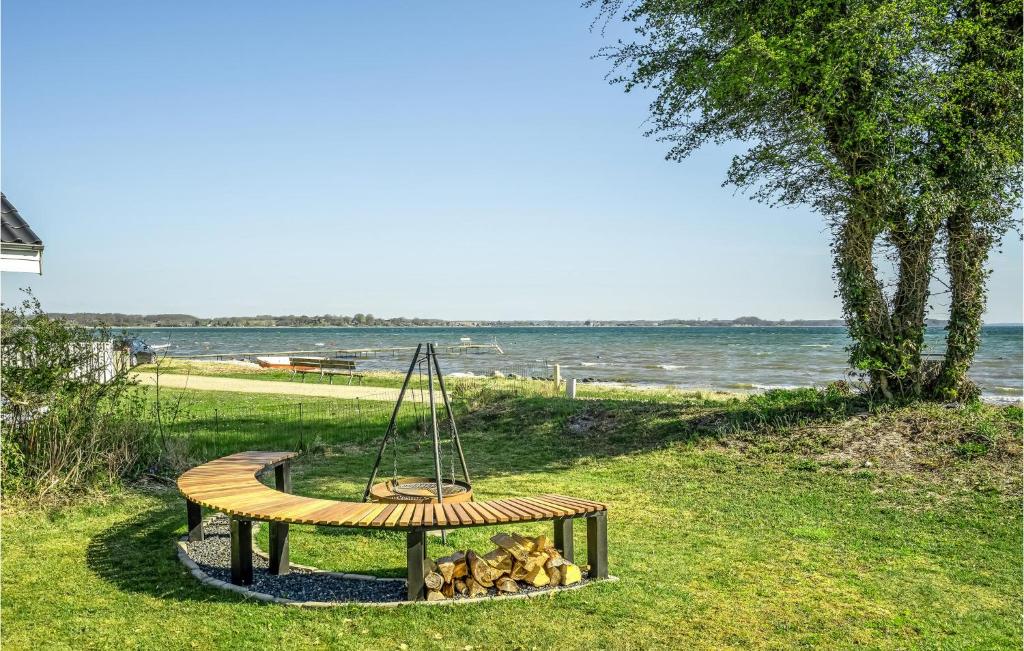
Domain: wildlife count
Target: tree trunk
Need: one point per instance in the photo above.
(867, 315)
(887, 339)
(967, 250)
(910, 305)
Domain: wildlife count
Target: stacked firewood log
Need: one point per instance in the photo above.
(516, 559)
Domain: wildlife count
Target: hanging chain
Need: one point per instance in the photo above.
(394, 455)
(451, 449)
(450, 422)
(421, 419)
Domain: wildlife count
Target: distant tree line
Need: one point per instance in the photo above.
(118, 320)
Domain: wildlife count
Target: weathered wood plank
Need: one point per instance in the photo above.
(383, 515)
(231, 485)
(439, 515)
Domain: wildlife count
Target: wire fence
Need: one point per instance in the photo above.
(189, 423)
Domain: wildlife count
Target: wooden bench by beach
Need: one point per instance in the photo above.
(231, 485)
(325, 367)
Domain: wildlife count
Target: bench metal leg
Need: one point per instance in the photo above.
(597, 545)
(241, 552)
(563, 538)
(283, 477)
(195, 521)
(279, 548)
(416, 554)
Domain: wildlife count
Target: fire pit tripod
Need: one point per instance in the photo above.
(422, 490)
(416, 506)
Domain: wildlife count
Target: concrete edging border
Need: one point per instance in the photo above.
(208, 580)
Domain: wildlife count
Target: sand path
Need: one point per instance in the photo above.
(208, 383)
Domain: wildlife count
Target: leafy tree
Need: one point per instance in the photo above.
(898, 120)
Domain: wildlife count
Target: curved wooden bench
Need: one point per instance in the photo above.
(231, 485)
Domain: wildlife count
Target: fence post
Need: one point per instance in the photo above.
(216, 420)
(301, 433)
(558, 378)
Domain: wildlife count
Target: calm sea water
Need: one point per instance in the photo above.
(720, 358)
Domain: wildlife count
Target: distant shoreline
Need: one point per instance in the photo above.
(492, 326)
(116, 320)
(477, 327)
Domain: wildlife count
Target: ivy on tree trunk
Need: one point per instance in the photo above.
(967, 248)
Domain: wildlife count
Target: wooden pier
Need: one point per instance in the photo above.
(352, 353)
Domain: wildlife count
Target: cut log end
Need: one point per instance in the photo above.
(433, 580)
(474, 589)
(480, 570)
(434, 595)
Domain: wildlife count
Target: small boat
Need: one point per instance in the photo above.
(274, 361)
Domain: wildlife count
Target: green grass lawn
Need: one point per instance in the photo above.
(791, 520)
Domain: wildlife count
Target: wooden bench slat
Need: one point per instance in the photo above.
(366, 518)
(396, 514)
(312, 511)
(586, 505)
(407, 515)
(383, 515)
(236, 491)
(241, 507)
(439, 515)
(334, 515)
(562, 509)
(495, 515)
(417, 516)
(533, 510)
(463, 513)
(558, 509)
(475, 515)
(518, 510)
(558, 499)
(231, 484)
(450, 514)
(499, 505)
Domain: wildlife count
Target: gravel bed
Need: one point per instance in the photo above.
(213, 556)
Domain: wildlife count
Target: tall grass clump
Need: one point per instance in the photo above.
(72, 417)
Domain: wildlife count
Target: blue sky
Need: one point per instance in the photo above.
(454, 160)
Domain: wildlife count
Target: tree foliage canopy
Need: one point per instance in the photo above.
(898, 120)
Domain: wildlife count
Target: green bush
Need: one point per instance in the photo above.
(65, 427)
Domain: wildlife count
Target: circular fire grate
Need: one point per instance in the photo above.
(421, 490)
